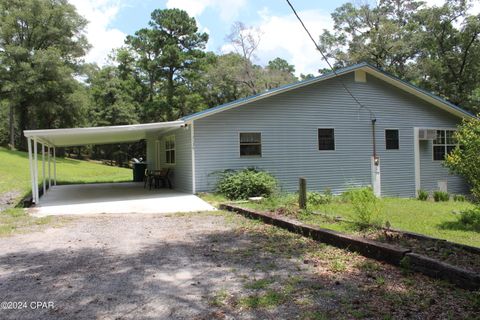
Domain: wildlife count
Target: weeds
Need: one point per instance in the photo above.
(470, 219)
(422, 195)
(439, 196)
(259, 284)
(269, 299)
(365, 205)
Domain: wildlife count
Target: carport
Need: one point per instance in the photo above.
(99, 198)
(49, 139)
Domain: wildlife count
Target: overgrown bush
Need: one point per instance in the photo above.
(459, 198)
(317, 198)
(470, 219)
(422, 195)
(246, 183)
(365, 205)
(441, 196)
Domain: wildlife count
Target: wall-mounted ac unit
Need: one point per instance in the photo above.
(427, 134)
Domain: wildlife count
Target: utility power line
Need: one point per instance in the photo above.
(372, 115)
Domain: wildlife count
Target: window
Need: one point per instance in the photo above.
(443, 144)
(326, 139)
(170, 149)
(250, 144)
(391, 139)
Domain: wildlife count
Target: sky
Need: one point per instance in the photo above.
(110, 21)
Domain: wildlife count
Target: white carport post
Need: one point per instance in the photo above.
(35, 169)
(49, 170)
(32, 173)
(43, 170)
(54, 167)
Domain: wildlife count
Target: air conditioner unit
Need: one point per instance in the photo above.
(427, 134)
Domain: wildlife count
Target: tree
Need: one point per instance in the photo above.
(465, 159)
(282, 65)
(41, 42)
(167, 53)
(450, 54)
(306, 76)
(245, 42)
(111, 99)
(277, 73)
(381, 35)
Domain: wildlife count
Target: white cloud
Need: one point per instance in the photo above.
(103, 38)
(283, 36)
(228, 9)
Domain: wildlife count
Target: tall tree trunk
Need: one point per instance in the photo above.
(12, 127)
(170, 93)
(23, 124)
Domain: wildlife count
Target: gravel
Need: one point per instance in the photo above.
(202, 266)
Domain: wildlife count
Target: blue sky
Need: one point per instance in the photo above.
(112, 20)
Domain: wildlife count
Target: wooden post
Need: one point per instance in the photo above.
(302, 193)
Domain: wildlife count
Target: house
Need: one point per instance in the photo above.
(357, 126)
(315, 129)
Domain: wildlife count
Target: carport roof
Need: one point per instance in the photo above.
(99, 135)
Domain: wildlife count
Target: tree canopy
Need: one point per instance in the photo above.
(41, 43)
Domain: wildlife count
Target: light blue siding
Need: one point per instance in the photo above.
(181, 175)
(289, 122)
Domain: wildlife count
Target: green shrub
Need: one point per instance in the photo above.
(441, 196)
(317, 198)
(470, 219)
(459, 198)
(422, 195)
(365, 205)
(246, 183)
(465, 160)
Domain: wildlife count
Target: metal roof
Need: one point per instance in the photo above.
(423, 94)
(100, 135)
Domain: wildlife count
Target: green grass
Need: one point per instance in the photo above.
(15, 219)
(425, 217)
(259, 284)
(15, 172)
(436, 219)
(269, 299)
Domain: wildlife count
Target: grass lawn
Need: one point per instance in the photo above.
(436, 219)
(15, 220)
(15, 172)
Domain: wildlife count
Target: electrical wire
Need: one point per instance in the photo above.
(372, 115)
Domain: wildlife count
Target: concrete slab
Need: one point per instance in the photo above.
(129, 197)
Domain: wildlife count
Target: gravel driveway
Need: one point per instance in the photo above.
(201, 266)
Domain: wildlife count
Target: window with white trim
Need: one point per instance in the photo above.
(170, 149)
(443, 144)
(250, 144)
